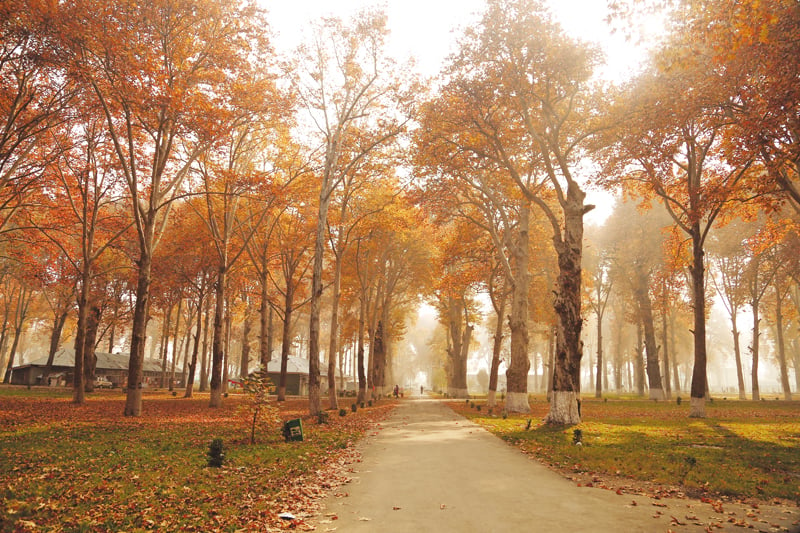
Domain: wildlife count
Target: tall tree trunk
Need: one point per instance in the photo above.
(698, 398)
(133, 400)
(639, 358)
(642, 293)
(196, 346)
(598, 385)
(754, 348)
(362, 376)
(265, 320)
(564, 407)
(314, 400)
(79, 377)
(175, 348)
(333, 348)
(787, 391)
(287, 341)
(737, 353)
(517, 373)
(497, 345)
(218, 338)
(89, 342)
(55, 339)
(378, 351)
(675, 374)
(204, 359)
(244, 362)
(165, 344)
(665, 366)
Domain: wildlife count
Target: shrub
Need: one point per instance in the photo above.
(678, 400)
(322, 417)
(258, 409)
(216, 453)
(342, 412)
(369, 403)
(354, 408)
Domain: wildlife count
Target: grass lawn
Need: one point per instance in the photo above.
(743, 449)
(65, 467)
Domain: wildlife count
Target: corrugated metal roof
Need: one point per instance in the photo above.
(105, 361)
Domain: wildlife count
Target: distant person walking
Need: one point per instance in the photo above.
(396, 391)
(421, 389)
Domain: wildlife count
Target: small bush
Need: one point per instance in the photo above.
(362, 405)
(342, 412)
(322, 417)
(505, 415)
(479, 408)
(174, 393)
(354, 408)
(369, 403)
(216, 453)
(679, 400)
(472, 405)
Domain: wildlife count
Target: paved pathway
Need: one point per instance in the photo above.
(429, 469)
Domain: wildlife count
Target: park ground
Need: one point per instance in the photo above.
(86, 468)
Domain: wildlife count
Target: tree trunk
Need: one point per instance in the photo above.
(196, 347)
(378, 351)
(362, 376)
(639, 363)
(265, 320)
(79, 377)
(133, 400)
(698, 398)
(665, 366)
(517, 373)
(754, 348)
(286, 342)
(737, 353)
(175, 348)
(598, 385)
(244, 362)
(564, 407)
(204, 358)
(165, 345)
(218, 339)
(89, 341)
(55, 339)
(314, 400)
(642, 293)
(787, 391)
(333, 348)
(675, 374)
(497, 345)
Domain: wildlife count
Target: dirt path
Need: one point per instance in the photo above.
(428, 469)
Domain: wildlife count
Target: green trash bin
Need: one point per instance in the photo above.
(293, 430)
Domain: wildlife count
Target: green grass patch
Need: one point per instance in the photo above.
(743, 449)
(87, 468)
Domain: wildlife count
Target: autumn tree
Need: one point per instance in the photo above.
(33, 93)
(347, 86)
(151, 67)
(518, 94)
(671, 148)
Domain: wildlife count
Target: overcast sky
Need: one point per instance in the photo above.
(423, 29)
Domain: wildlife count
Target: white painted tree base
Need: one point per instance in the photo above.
(697, 408)
(517, 402)
(458, 393)
(491, 399)
(657, 394)
(216, 398)
(563, 409)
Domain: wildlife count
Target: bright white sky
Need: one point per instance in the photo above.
(423, 29)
